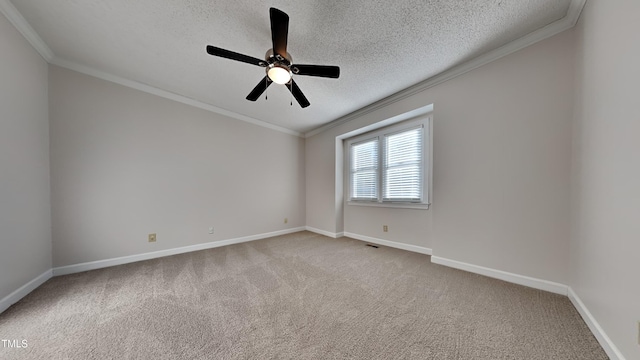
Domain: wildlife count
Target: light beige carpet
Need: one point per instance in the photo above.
(298, 296)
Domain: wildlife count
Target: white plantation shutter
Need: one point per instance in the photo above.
(402, 166)
(390, 166)
(364, 170)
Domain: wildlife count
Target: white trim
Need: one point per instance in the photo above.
(76, 268)
(18, 21)
(606, 343)
(389, 243)
(503, 275)
(575, 9)
(415, 206)
(24, 290)
(166, 94)
(567, 22)
(324, 232)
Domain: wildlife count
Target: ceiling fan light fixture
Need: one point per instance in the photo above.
(279, 74)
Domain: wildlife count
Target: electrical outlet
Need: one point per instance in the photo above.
(152, 237)
(211, 230)
(385, 228)
(286, 220)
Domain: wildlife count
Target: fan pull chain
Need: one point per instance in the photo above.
(291, 92)
(266, 88)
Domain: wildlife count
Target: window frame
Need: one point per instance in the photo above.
(423, 122)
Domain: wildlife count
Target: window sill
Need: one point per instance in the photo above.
(390, 205)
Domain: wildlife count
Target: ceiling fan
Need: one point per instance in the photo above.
(278, 63)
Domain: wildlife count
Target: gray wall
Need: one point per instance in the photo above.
(502, 159)
(535, 164)
(606, 186)
(126, 163)
(25, 211)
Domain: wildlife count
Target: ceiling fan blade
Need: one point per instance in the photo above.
(279, 31)
(259, 89)
(216, 51)
(316, 70)
(297, 93)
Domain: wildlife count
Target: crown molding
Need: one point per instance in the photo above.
(18, 21)
(575, 9)
(567, 22)
(166, 94)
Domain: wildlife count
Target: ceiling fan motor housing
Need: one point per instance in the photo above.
(278, 67)
(271, 58)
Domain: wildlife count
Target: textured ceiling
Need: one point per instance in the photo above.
(381, 47)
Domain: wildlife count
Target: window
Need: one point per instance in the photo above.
(364, 170)
(389, 166)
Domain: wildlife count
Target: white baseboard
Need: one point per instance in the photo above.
(606, 343)
(503, 275)
(393, 244)
(324, 232)
(76, 268)
(24, 290)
